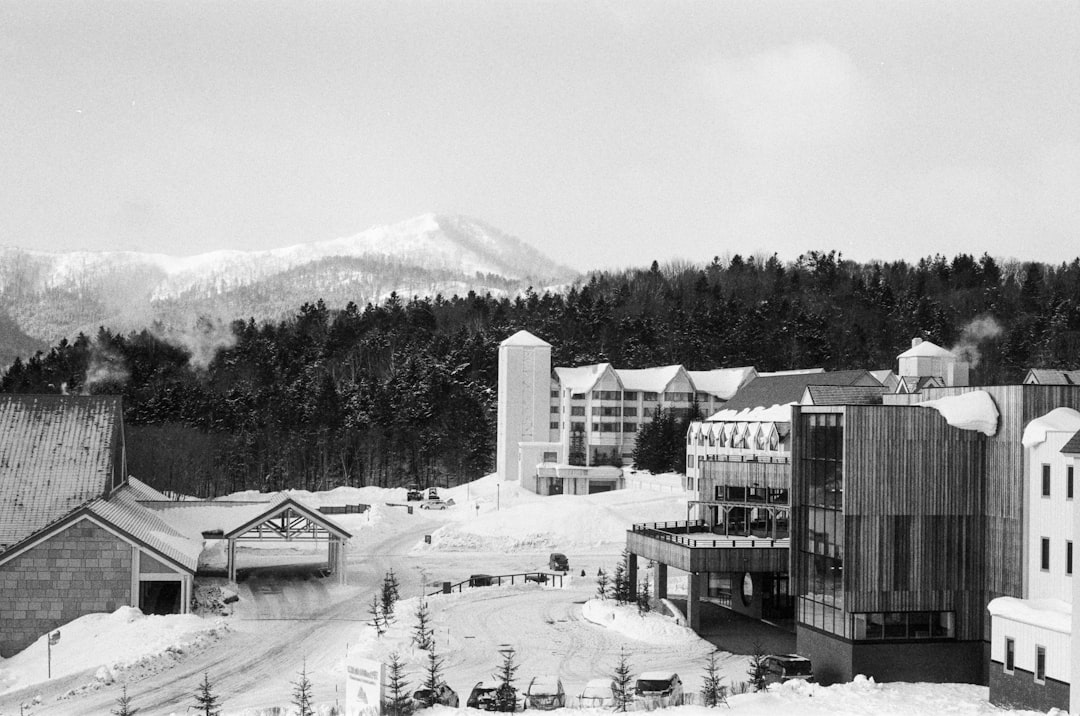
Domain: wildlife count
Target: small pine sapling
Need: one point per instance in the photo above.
(622, 680)
(123, 705)
(643, 605)
(756, 672)
(397, 701)
(602, 584)
(206, 701)
(389, 595)
(301, 695)
(506, 694)
(618, 582)
(378, 619)
(433, 677)
(424, 633)
(713, 693)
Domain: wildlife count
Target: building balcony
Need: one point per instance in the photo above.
(692, 546)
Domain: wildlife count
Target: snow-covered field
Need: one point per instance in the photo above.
(285, 622)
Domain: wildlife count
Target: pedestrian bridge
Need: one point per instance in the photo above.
(692, 547)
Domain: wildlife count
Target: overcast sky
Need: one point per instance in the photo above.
(606, 134)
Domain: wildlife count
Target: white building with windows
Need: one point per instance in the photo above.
(1034, 641)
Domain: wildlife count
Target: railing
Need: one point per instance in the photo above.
(488, 580)
(682, 533)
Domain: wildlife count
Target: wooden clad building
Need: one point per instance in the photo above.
(904, 527)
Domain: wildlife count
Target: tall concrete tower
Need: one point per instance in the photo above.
(524, 402)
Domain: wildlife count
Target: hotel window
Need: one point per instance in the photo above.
(577, 410)
(648, 412)
(1010, 654)
(596, 427)
(605, 395)
(689, 460)
(554, 425)
(1068, 557)
(551, 457)
(629, 395)
(596, 410)
(1046, 481)
(577, 427)
(554, 409)
(678, 397)
(554, 394)
(1069, 482)
(703, 397)
(629, 412)
(648, 395)
(1044, 560)
(629, 427)
(1040, 664)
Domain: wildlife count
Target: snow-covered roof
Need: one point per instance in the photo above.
(194, 517)
(1064, 420)
(526, 339)
(926, 349)
(975, 410)
(123, 511)
(653, 380)
(581, 379)
(793, 371)
(772, 414)
(722, 382)
(1052, 376)
(544, 685)
(657, 676)
(57, 452)
(1052, 614)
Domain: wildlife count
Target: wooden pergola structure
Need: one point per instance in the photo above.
(286, 520)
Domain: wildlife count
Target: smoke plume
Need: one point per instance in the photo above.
(203, 339)
(980, 328)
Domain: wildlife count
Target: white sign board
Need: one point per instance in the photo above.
(364, 679)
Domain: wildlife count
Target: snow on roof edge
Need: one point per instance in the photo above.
(975, 410)
(1057, 420)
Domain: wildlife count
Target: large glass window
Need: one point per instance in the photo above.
(903, 625)
(820, 586)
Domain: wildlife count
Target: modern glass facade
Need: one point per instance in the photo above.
(820, 586)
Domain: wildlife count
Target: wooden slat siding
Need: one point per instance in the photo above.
(913, 489)
(1003, 501)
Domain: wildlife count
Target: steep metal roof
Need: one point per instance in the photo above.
(1073, 446)
(843, 394)
(1053, 376)
(766, 391)
(56, 452)
(124, 512)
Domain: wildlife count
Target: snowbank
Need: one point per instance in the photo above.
(650, 627)
(1064, 420)
(110, 643)
(1052, 614)
(968, 411)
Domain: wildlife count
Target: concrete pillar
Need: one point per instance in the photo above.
(231, 560)
(693, 600)
(631, 573)
(660, 586)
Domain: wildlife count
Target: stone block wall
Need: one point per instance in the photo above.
(1019, 690)
(80, 570)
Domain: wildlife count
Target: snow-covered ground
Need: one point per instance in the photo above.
(284, 622)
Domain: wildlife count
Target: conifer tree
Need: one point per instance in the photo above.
(433, 676)
(713, 693)
(506, 694)
(423, 633)
(623, 680)
(123, 705)
(378, 619)
(643, 605)
(206, 701)
(302, 693)
(398, 701)
(602, 583)
(389, 594)
(756, 672)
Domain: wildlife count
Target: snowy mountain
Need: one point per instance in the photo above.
(52, 295)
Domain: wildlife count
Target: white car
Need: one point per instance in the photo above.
(658, 689)
(434, 505)
(598, 693)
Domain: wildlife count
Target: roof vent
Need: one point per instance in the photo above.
(915, 342)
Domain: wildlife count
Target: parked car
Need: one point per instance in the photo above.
(598, 693)
(545, 693)
(658, 689)
(433, 505)
(432, 493)
(482, 696)
(481, 580)
(444, 695)
(785, 667)
(414, 495)
(558, 562)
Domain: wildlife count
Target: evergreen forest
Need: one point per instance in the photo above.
(405, 391)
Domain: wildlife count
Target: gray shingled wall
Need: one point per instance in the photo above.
(81, 570)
